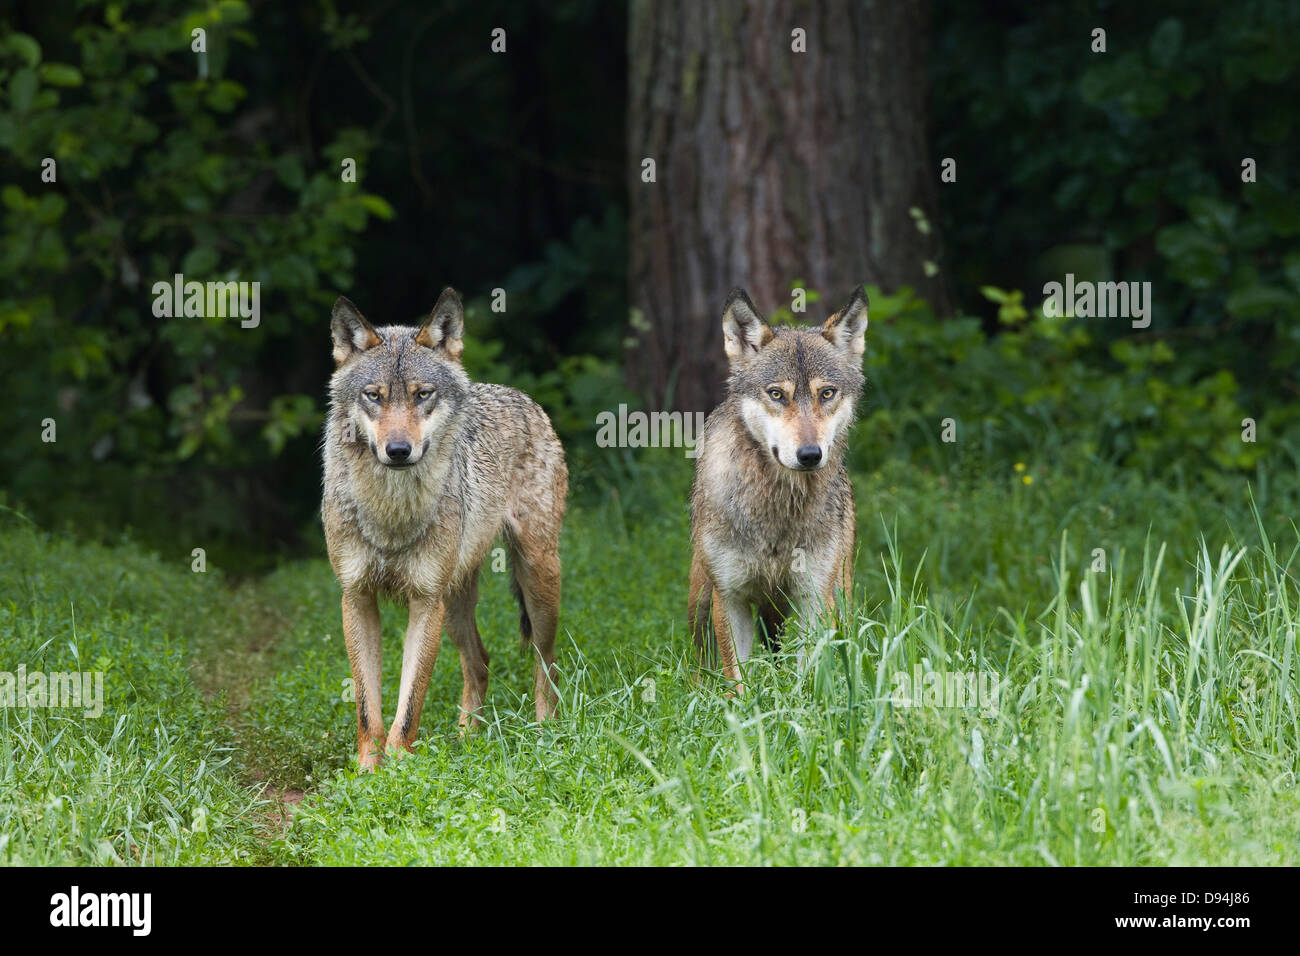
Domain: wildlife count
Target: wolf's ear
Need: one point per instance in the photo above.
(350, 331)
(847, 328)
(744, 331)
(445, 326)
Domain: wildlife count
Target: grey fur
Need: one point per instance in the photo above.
(770, 536)
(483, 462)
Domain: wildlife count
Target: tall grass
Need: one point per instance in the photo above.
(150, 780)
(1145, 708)
(1140, 719)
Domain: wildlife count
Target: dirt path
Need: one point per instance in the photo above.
(232, 659)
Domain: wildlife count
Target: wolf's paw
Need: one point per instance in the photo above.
(470, 724)
(398, 747)
(370, 753)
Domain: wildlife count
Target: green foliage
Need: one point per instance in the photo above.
(1147, 716)
(150, 780)
(1053, 382)
(1150, 708)
(154, 179)
(1134, 159)
(589, 266)
(226, 164)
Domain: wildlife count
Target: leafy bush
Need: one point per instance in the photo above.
(169, 160)
(1135, 160)
(126, 167)
(1051, 381)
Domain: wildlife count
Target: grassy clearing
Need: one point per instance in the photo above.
(1146, 713)
(151, 780)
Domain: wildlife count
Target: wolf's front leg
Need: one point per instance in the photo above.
(733, 628)
(820, 603)
(423, 635)
(363, 636)
(813, 604)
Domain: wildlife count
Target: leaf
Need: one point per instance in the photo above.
(231, 11)
(225, 96)
(1212, 214)
(13, 198)
(49, 209)
(1194, 257)
(199, 261)
(189, 445)
(377, 206)
(22, 89)
(60, 74)
(26, 47)
(1260, 300)
(1166, 42)
(288, 169)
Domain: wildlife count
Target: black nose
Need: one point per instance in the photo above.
(401, 450)
(809, 455)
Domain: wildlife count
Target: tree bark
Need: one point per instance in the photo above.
(773, 169)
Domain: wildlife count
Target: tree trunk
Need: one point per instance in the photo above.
(773, 168)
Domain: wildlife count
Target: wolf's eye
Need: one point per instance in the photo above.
(372, 395)
(424, 394)
(776, 394)
(828, 393)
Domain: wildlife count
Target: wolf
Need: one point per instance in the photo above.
(772, 515)
(423, 470)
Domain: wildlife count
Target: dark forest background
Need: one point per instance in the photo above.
(522, 170)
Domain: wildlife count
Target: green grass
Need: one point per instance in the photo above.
(149, 781)
(1147, 714)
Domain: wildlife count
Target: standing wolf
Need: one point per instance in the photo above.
(772, 515)
(423, 468)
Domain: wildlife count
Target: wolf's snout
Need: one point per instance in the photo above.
(809, 455)
(400, 451)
